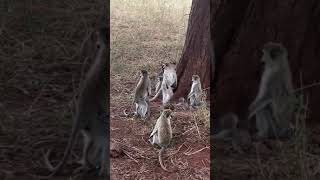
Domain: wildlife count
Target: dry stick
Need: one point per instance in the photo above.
(306, 87)
(197, 126)
(188, 154)
(36, 99)
(126, 153)
(186, 131)
(176, 151)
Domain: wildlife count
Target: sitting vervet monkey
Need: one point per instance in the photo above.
(165, 90)
(195, 94)
(162, 133)
(274, 104)
(169, 72)
(141, 96)
(91, 114)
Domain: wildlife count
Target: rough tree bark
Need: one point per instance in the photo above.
(240, 28)
(195, 57)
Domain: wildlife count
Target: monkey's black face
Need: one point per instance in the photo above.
(169, 115)
(143, 72)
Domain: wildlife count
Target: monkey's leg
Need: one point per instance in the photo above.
(136, 113)
(87, 145)
(148, 108)
(192, 101)
(155, 139)
(263, 118)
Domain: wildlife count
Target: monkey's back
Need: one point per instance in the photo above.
(164, 133)
(142, 87)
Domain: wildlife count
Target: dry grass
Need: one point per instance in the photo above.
(38, 78)
(295, 158)
(144, 34)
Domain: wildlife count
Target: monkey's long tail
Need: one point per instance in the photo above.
(160, 159)
(127, 114)
(66, 154)
(157, 95)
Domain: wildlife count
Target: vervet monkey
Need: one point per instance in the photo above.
(227, 127)
(182, 103)
(195, 93)
(162, 133)
(274, 104)
(91, 114)
(228, 130)
(165, 90)
(141, 99)
(169, 73)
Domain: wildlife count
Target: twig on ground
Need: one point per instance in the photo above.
(188, 154)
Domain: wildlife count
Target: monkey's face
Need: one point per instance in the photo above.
(195, 78)
(167, 113)
(173, 65)
(272, 52)
(143, 73)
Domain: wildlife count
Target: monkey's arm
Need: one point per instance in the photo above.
(155, 129)
(191, 93)
(174, 86)
(266, 92)
(266, 89)
(149, 88)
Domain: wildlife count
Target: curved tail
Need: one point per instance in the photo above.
(66, 154)
(160, 159)
(127, 114)
(157, 95)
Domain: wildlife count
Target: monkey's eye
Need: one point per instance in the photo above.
(98, 45)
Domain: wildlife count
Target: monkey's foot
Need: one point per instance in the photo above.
(80, 169)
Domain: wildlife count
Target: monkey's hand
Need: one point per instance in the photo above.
(190, 94)
(258, 105)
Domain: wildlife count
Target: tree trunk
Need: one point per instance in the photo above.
(195, 57)
(241, 28)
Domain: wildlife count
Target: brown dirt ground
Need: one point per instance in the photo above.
(145, 34)
(140, 158)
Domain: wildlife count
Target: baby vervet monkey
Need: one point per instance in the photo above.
(141, 96)
(162, 134)
(182, 103)
(274, 104)
(195, 94)
(227, 130)
(91, 114)
(227, 127)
